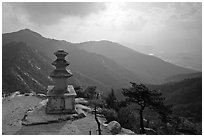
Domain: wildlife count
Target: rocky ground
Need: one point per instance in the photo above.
(77, 127)
(13, 110)
(15, 107)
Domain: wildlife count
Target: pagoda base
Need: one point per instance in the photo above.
(60, 104)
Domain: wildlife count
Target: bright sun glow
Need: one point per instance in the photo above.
(113, 15)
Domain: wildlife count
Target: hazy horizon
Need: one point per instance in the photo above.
(171, 31)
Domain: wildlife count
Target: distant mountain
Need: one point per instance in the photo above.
(150, 68)
(181, 77)
(104, 64)
(27, 70)
(146, 68)
(88, 68)
(175, 88)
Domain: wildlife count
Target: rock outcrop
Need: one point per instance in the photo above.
(81, 101)
(125, 131)
(114, 127)
(85, 108)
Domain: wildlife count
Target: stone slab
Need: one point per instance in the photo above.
(85, 108)
(37, 115)
(125, 131)
(81, 101)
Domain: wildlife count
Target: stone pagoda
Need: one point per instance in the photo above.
(61, 96)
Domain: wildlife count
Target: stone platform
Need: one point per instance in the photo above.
(37, 115)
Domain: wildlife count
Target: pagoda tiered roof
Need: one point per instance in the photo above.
(60, 62)
(60, 53)
(61, 73)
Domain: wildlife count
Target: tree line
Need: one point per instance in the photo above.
(142, 109)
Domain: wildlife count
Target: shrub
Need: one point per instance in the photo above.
(110, 114)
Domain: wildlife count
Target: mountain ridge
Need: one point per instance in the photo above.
(140, 68)
(134, 61)
(92, 68)
(104, 76)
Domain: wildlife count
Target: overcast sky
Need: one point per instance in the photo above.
(171, 31)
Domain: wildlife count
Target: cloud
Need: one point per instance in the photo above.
(186, 16)
(51, 12)
(13, 19)
(135, 24)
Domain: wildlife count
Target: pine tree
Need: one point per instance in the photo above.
(90, 92)
(144, 97)
(111, 101)
(97, 103)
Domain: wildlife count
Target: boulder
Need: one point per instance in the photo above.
(80, 113)
(42, 96)
(15, 94)
(114, 127)
(81, 101)
(125, 131)
(26, 94)
(33, 94)
(84, 108)
(150, 131)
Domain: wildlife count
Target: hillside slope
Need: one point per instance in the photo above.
(140, 67)
(27, 68)
(181, 77)
(24, 69)
(152, 69)
(186, 97)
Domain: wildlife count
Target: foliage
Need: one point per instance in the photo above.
(79, 91)
(97, 102)
(186, 96)
(90, 92)
(128, 118)
(122, 103)
(110, 114)
(111, 101)
(181, 125)
(144, 97)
